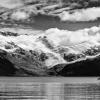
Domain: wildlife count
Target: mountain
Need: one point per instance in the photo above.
(45, 53)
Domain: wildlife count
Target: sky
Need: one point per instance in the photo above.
(15, 3)
(89, 14)
(11, 3)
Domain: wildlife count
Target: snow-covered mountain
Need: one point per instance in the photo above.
(38, 52)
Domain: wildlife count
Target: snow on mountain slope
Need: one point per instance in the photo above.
(39, 51)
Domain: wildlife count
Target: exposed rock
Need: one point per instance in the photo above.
(6, 67)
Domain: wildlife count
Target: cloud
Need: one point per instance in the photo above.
(11, 3)
(68, 38)
(19, 15)
(89, 14)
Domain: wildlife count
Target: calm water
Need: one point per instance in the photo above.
(35, 89)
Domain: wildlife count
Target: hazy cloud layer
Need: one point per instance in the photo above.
(89, 14)
(11, 3)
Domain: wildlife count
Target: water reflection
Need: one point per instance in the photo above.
(49, 91)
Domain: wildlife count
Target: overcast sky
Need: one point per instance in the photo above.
(15, 3)
(11, 3)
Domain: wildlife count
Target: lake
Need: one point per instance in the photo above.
(49, 89)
